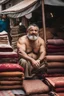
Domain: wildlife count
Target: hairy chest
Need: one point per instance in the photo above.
(33, 47)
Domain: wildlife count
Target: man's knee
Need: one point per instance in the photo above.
(22, 62)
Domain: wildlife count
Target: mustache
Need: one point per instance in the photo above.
(33, 34)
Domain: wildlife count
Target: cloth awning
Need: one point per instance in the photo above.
(54, 2)
(22, 8)
(3, 1)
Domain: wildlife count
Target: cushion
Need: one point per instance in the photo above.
(8, 54)
(9, 60)
(11, 79)
(55, 50)
(6, 48)
(61, 89)
(55, 53)
(11, 74)
(51, 46)
(34, 86)
(53, 75)
(55, 64)
(55, 41)
(8, 87)
(60, 94)
(55, 70)
(10, 82)
(10, 67)
(56, 81)
(55, 57)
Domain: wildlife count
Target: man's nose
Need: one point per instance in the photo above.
(34, 31)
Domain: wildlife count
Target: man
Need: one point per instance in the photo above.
(31, 49)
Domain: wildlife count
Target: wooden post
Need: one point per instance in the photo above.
(43, 21)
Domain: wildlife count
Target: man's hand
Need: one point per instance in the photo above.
(35, 63)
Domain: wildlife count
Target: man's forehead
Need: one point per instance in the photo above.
(33, 27)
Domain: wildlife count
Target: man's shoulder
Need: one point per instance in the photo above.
(40, 39)
(23, 37)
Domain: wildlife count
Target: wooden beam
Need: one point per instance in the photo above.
(43, 21)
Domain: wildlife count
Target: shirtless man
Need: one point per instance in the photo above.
(31, 49)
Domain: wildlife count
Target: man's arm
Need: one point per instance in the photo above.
(22, 49)
(42, 50)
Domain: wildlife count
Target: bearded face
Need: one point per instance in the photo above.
(33, 33)
(32, 37)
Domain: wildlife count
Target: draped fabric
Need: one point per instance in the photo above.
(54, 2)
(3, 1)
(22, 8)
(27, 6)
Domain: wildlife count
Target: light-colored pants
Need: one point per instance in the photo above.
(29, 70)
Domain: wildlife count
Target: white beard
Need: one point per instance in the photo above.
(32, 37)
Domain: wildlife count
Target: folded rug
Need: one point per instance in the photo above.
(55, 64)
(9, 60)
(55, 50)
(55, 41)
(15, 78)
(11, 67)
(61, 89)
(55, 57)
(6, 48)
(8, 54)
(51, 46)
(10, 83)
(56, 82)
(35, 86)
(8, 87)
(55, 53)
(55, 70)
(12, 74)
(54, 75)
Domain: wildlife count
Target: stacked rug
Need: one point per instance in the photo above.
(55, 60)
(57, 83)
(55, 47)
(11, 73)
(55, 56)
(11, 76)
(6, 51)
(8, 57)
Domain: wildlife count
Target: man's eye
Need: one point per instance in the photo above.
(33, 30)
